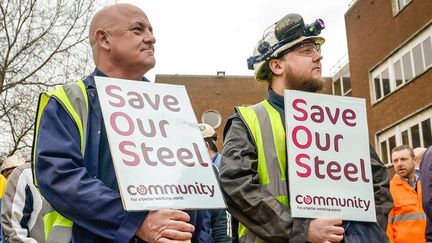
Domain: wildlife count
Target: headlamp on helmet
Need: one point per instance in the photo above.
(286, 30)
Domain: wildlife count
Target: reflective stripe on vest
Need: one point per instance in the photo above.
(261, 119)
(406, 217)
(73, 98)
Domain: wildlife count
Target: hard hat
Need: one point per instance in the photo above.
(207, 131)
(284, 34)
(12, 162)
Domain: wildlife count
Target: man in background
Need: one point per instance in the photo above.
(406, 221)
(22, 209)
(210, 138)
(418, 155)
(215, 223)
(8, 165)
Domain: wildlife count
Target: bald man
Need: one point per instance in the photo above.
(74, 171)
(418, 155)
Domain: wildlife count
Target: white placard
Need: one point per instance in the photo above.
(328, 152)
(158, 152)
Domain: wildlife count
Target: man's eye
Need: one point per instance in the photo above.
(307, 50)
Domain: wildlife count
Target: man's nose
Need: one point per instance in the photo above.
(317, 56)
(149, 37)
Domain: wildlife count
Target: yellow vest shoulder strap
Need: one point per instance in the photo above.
(73, 97)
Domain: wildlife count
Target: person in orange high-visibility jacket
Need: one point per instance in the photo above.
(407, 220)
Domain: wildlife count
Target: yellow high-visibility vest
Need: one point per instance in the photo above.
(266, 127)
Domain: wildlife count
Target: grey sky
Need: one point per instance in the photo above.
(201, 37)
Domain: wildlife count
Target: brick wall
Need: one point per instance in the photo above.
(373, 33)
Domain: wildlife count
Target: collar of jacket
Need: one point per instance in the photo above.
(399, 180)
(276, 99)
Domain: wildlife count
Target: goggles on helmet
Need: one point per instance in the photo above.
(307, 49)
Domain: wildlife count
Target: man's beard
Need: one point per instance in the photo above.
(302, 82)
(305, 84)
(312, 85)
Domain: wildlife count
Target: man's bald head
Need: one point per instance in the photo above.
(109, 17)
(418, 155)
(122, 41)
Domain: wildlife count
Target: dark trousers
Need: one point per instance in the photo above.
(363, 232)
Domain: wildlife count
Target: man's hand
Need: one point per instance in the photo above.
(325, 230)
(166, 225)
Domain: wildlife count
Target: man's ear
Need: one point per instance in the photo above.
(275, 66)
(103, 39)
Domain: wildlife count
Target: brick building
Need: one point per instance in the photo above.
(214, 97)
(390, 60)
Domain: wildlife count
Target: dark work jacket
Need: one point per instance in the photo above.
(215, 224)
(238, 177)
(426, 183)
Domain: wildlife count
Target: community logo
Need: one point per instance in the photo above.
(354, 202)
(171, 189)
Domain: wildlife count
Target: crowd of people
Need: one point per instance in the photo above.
(71, 193)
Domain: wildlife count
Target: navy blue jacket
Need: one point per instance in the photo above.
(426, 183)
(83, 189)
(215, 224)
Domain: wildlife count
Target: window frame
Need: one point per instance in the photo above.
(343, 72)
(400, 127)
(218, 114)
(397, 8)
(399, 56)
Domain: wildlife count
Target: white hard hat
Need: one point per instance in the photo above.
(206, 130)
(12, 162)
(284, 34)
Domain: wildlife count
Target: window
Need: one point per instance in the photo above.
(407, 66)
(405, 139)
(342, 81)
(212, 117)
(385, 79)
(427, 51)
(392, 142)
(386, 148)
(346, 80)
(415, 136)
(337, 87)
(418, 60)
(407, 63)
(377, 84)
(415, 132)
(398, 5)
(427, 132)
(342, 86)
(382, 84)
(384, 152)
(398, 72)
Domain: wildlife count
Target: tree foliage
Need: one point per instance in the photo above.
(43, 43)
